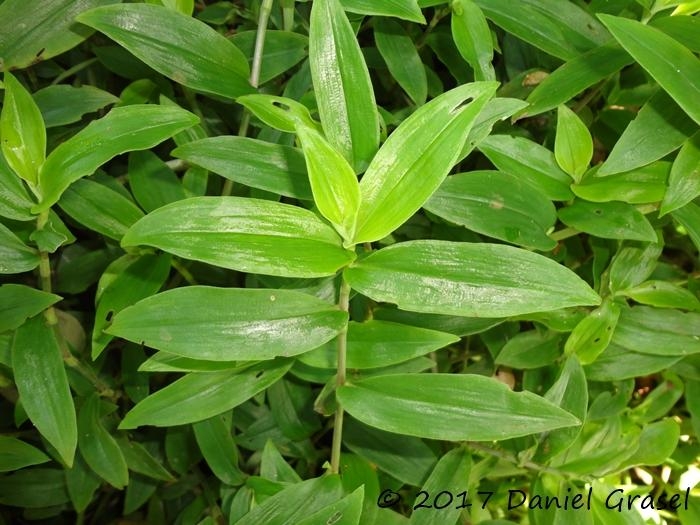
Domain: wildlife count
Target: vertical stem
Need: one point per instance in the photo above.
(343, 304)
(254, 80)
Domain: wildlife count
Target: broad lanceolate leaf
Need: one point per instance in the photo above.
(43, 386)
(416, 158)
(36, 30)
(22, 131)
(529, 160)
(689, 217)
(241, 324)
(15, 202)
(199, 396)
(15, 256)
(16, 454)
(469, 279)
(610, 220)
(152, 182)
(180, 47)
(404, 9)
(472, 36)
(593, 334)
(638, 186)
(124, 129)
(574, 76)
(342, 85)
(573, 145)
(659, 128)
(19, 302)
(345, 511)
(219, 449)
(497, 205)
(255, 163)
(374, 344)
(244, 234)
(684, 180)
(450, 407)
(98, 448)
(402, 58)
(64, 104)
(659, 332)
(672, 65)
(662, 294)
(281, 113)
(333, 181)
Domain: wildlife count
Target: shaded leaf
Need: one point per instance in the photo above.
(64, 104)
(610, 220)
(19, 302)
(16, 454)
(405, 9)
(684, 180)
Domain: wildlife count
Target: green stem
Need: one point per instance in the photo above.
(563, 234)
(344, 305)
(72, 71)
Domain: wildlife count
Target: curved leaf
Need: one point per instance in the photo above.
(180, 47)
(684, 179)
(123, 129)
(472, 36)
(416, 158)
(469, 279)
(240, 323)
(199, 396)
(244, 234)
(15, 256)
(660, 332)
(450, 407)
(19, 302)
(610, 220)
(404, 9)
(16, 454)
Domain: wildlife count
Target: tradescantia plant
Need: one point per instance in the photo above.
(349, 262)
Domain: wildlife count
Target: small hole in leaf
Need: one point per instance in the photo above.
(596, 340)
(461, 105)
(259, 374)
(109, 316)
(598, 211)
(281, 105)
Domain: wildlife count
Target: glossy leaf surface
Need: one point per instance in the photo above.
(684, 180)
(470, 279)
(19, 302)
(199, 396)
(129, 128)
(472, 36)
(43, 385)
(658, 332)
(244, 234)
(15, 256)
(573, 145)
(405, 9)
(15, 202)
(16, 454)
(450, 407)
(416, 158)
(185, 50)
(241, 324)
(610, 220)
(63, 104)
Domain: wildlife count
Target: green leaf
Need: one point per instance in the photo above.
(342, 85)
(416, 158)
(684, 180)
(43, 386)
(469, 279)
(98, 448)
(576, 75)
(35, 30)
(199, 396)
(374, 344)
(244, 234)
(531, 349)
(82, 483)
(617, 363)
(562, 29)
(657, 442)
(659, 128)
(22, 131)
(219, 450)
(451, 475)
(672, 65)
(15, 202)
(152, 182)
(472, 36)
(139, 278)
(450, 407)
(19, 302)
(638, 186)
(263, 165)
(609, 220)
(497, 205)
(180, 47)
(593, 334)
(241, 324)
(662, 294)
(16, 454)
(99, 208)
(124, 129)
(528, 160)
(632, 266)
(295, 502)
(345, 511)
(34, 488)
(333, 181)
(573, 145)
(688, 216)
(274, 467)
(281, 113)
(63, 104)
(15, 256)
(140, 460)
(658, 332)
(283, 50)
(402, 58)
(404, 9)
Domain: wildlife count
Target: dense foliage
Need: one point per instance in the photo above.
(350, 262)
